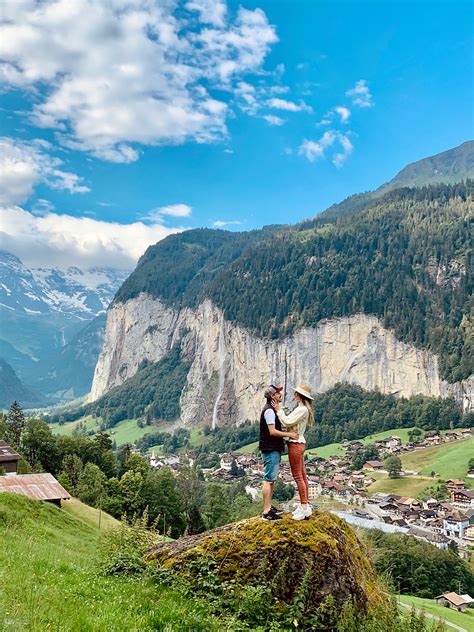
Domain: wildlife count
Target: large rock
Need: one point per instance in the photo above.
(310, 560)
(231, 366)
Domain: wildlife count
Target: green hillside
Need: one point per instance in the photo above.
(49, 579)
(463, 619)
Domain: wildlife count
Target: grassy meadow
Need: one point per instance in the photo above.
(49, 578)
(463, 619)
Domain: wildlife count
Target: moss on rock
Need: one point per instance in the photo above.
(307, 560)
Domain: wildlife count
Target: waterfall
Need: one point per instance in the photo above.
(220, 389)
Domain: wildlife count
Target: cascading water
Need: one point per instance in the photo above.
(220, 389)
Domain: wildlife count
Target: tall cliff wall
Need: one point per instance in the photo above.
(230, 366)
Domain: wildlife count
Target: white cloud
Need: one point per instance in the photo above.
(324, 121)
(55, 239)
(343, 112)
(115, 75)
(220, 223)
(173, 210)
(289, 106)
(317, 149)
(211, 11)
(361, 95)
(273, 120)
(24, 165)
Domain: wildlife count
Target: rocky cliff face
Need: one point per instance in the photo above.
(230, 366)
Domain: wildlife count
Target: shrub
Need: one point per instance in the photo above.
(122, 548)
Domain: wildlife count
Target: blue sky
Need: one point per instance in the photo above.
(256, 139)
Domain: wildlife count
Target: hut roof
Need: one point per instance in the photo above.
(36, 486)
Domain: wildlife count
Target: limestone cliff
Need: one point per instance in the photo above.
(231, 366)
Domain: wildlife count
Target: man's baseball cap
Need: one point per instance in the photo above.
(271, 390)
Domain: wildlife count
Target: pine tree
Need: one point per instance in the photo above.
(15, 424)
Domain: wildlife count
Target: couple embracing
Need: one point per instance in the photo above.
(275, 427)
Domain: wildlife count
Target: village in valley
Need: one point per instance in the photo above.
(332, 481)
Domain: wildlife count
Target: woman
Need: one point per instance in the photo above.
(299, 420)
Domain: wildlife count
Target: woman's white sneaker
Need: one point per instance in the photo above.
(299, 514)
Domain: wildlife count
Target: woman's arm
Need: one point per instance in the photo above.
(295, 417)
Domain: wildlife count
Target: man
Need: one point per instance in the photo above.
(271, 446)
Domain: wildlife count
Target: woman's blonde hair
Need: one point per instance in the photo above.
(308, 403)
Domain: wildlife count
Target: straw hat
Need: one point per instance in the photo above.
(305, 390)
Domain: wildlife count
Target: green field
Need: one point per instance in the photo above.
(126, 431)
(49, 579)
(406, 486)
(448, 460)
(463, 619)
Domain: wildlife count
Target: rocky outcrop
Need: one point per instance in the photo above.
(309, 560)
(231, 366)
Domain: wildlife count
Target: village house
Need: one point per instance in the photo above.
(8, 459)
(455, 483)
(470, 474)
(440, 541)
(463, 498)
(374, 466)
(469, 533)
(454, 601)
(454, 524)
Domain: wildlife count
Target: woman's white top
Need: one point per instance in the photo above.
(295, 421)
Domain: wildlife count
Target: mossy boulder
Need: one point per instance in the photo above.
(308, 560)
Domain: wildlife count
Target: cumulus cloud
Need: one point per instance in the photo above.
(210, 11)
(288, 106)
(318, 149)
(343, 112)
(112, 76)
(24, 165)
(220, 223)
(54, 239)
(273, 120)
(173, 210)
(361, 95)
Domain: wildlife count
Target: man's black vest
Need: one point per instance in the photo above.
(268, 443)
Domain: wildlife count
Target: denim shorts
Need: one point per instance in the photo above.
(271, 465)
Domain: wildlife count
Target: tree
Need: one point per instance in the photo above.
(113, 499)
(39, 446)
(217, 510)
(90, 488)
(15, 424)
(161, 495)
(72, 467)
(415, 435)
(393, 465)
(191, 489)
(470, 465)
(283, 492)
(131, 487)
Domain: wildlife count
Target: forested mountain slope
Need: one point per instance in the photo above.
(404, 258)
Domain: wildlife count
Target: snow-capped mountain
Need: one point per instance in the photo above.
(75, 293)
(42, 314)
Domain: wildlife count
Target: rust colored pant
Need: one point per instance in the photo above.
(298, 469)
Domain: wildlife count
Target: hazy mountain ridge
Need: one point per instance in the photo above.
(11, 388)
